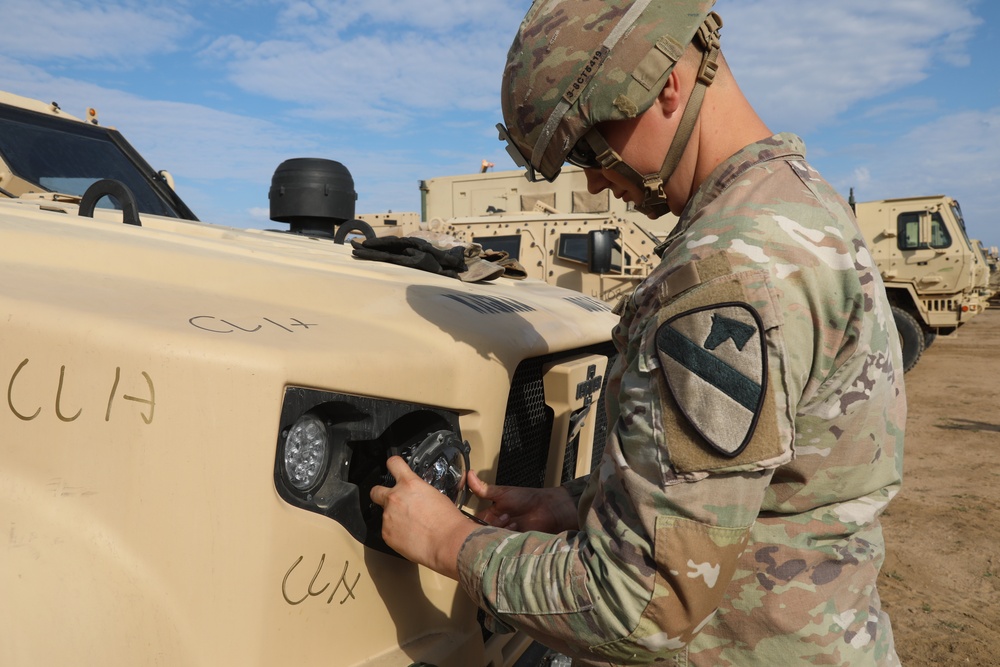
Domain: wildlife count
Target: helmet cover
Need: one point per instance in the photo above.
(576, 63)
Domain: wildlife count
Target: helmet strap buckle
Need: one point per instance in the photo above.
(607, 157)
(654, 198)
(652, 185)
(709, 40)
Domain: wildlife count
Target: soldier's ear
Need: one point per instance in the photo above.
(669, 99)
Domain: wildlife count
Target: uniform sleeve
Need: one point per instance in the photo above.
(577, 487)
(668, 512)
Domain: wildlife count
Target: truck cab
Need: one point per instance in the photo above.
(928, 263)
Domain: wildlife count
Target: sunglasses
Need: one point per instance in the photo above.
(583, 155)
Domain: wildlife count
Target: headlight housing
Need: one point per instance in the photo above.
(442, 460)
(306, 452)
(332, 449)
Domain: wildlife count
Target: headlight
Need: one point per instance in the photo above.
(306, 452)
(442, 460)
(332, 448)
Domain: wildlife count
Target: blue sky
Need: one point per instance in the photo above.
(894, 98)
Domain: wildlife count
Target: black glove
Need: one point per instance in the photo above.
(413, 252)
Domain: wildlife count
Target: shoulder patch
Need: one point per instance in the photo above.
(715, 362)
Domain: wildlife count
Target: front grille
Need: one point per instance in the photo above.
(940, 305)
(527, 428)
(601, 429)
(527, 425)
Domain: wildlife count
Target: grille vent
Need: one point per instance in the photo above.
(527, 429)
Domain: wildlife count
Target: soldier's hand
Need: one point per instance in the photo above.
(419, 522)
(550, 510)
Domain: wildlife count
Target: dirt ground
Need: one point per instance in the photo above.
(941, 578)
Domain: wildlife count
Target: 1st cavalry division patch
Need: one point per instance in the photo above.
(715, 362)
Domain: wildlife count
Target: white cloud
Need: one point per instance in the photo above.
(438, 17)
(962, 149)
(862, 177)
(219, 157)
(215, 156)
(802, 64)
(956, 154)
(380, 63)
(210, 144)
(903, 108)
(422, 78)
(113, 33)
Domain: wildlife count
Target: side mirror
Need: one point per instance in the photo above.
(600, 244)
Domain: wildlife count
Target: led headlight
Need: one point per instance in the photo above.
(442, 460)
(305, 452)
(332, 448)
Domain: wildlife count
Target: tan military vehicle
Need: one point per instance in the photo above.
(929, 265)
(985, 270)
(194, 415)
(934, 275)
(559, 232)
(993, 262)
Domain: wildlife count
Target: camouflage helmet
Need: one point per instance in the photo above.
(577, 63)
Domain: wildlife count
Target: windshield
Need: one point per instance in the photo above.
(956, 210)
(65, 156)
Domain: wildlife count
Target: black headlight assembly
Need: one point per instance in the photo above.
(332, 449)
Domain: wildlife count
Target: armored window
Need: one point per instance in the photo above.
(66, 156)
(940, 238)
(573, 247)
(509, 244)
(909, 232)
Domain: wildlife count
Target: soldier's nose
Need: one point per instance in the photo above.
(596, 182)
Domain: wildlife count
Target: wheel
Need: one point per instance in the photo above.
(929, 338)
(911, 337)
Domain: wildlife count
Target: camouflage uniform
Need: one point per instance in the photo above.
(759, 410)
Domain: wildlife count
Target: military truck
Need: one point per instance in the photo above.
(195, 413)
(986, 278)
(929, 265)
(992, 254)
(601, 246)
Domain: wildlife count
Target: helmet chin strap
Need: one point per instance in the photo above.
(654, 203)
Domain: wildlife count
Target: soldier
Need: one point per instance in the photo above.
(757, 400)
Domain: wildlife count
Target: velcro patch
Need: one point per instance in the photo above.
(714, 359)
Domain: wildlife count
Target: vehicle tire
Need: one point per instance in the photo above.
(911, 337)
(929, 338)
